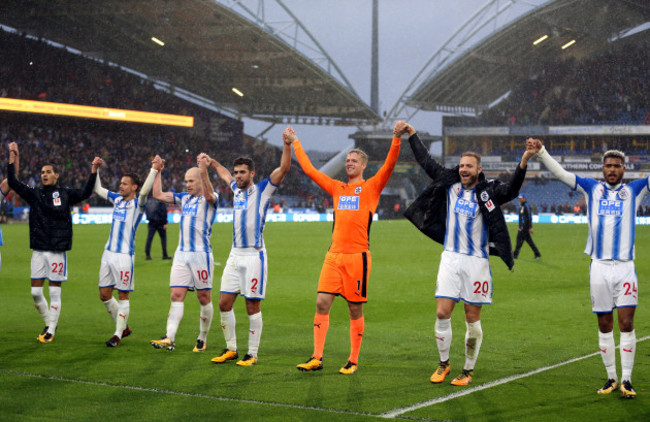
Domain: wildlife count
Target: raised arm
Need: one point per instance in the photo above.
(4, 185)
(147, 186)
(422, 156)
(278, 174)
(553, 166)
(98, 189)
(384, 173)
(158, 164)
(21, 189)
(222, 172)
(321, 179)
(506, 192)
(203, 160)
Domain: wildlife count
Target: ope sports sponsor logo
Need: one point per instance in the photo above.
(348, 203)
(465, 207)
(119, 213)
(190, 210)
(610, 207)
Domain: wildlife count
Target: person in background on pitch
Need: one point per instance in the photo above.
(157, 215)
(50, 235)
(613, 281)
(4, 192)
(116, 270)
(347, 265)
(461, 210)
(525, 229)
(247, 267)
(193, 264)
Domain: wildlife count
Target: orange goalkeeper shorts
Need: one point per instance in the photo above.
(346, 275)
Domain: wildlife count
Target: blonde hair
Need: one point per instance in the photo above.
(363, 155)
(614, 153)
(472, 154)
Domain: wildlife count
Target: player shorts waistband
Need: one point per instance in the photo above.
(247, 251)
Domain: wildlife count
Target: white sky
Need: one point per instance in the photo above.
(410, 32)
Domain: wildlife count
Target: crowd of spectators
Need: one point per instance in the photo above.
(71, 144)
(611, 88)
(34, 70)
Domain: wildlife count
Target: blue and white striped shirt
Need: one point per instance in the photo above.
(126, 218)
(466, 231)
(612, 217)
(197, 216)
(249, 213)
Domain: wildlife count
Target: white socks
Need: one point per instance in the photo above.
(228, 327)
(55, 308)
(111, 307)
(254, 333)
(205, 320)
(443, 337)
(41, 304)
(608, 353)
(473, 340)
(174, 319)
(122, 317)
(607, 348)
(628, 347)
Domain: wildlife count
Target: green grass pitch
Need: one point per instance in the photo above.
(540, 317)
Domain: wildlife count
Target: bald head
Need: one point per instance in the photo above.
(193, 182)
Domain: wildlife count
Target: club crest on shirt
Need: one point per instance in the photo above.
(357, 190)
(484, 196)
(623, 194)
(56, 200)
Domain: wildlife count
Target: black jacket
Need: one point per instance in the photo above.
(525, 222)
(156, 212)
(50, 222)
(429, 211)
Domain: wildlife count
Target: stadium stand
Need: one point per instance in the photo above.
(34, 70)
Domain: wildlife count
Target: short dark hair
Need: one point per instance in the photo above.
(134, 179)
(54, 168)
(240, 161)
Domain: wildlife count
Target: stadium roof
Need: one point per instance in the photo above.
(488, 70)
(209, 49)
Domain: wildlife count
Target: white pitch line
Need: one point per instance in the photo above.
(398, 412)
(199, 395)
(185, 394)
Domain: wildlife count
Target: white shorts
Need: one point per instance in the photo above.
(192, 270)
(464, 277)
(50, 265)
(116, 271)
(613, 284)
(245, 273)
